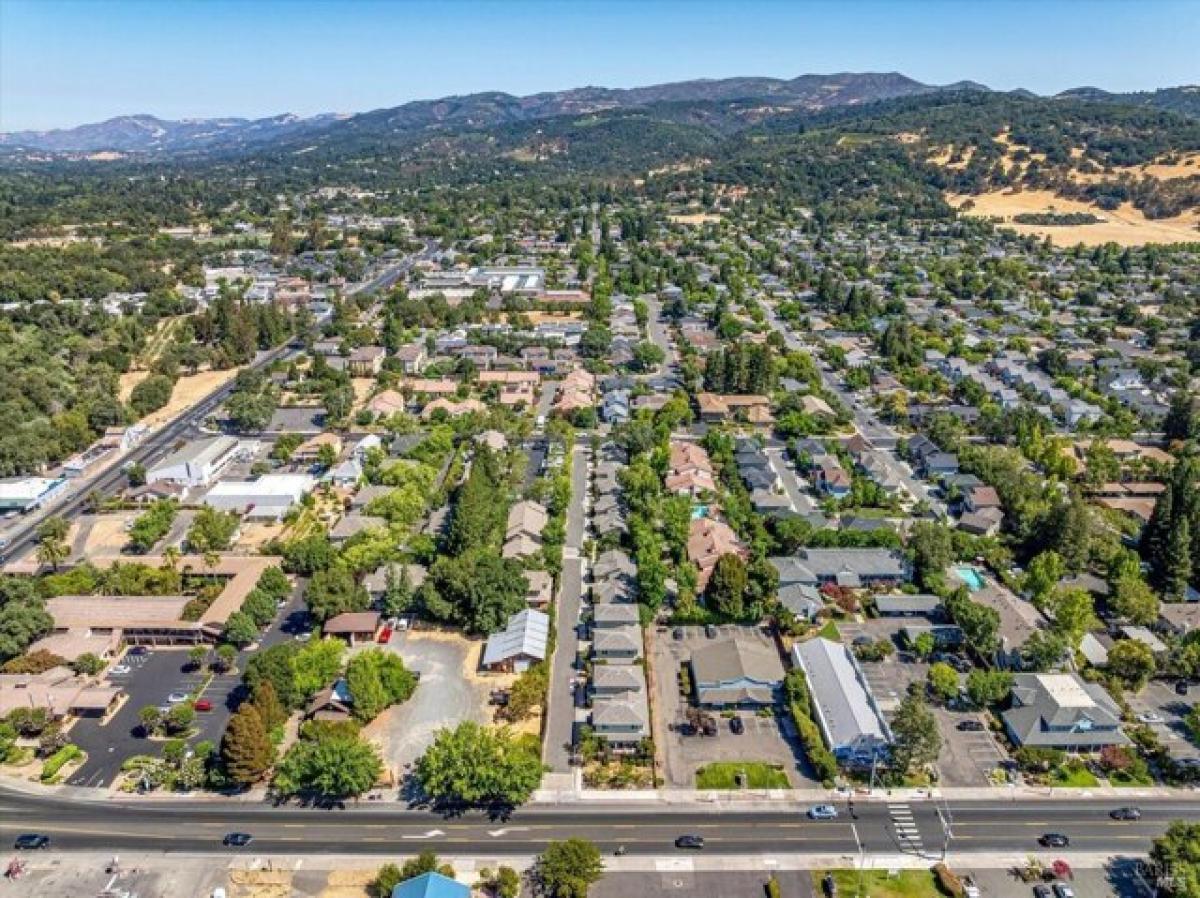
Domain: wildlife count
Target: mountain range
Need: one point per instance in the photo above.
(753, 97)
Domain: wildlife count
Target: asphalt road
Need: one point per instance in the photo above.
(560, 715)
(368, 828)
(109, 481)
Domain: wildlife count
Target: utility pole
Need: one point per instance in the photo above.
(947, 823)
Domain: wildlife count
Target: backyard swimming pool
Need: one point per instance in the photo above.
(971, 577)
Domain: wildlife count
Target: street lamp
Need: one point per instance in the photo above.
(947, 823)
(862, 859)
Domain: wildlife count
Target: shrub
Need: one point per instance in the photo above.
(58, 760)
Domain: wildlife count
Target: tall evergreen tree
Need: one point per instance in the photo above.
(246, 749)
(1178, 561)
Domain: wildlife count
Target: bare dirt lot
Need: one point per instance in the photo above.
(189, 390)
(1126, 225)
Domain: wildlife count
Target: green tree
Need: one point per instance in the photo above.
(270, 709)
(477, 765)
(87, 665)
(988, 687)
(1132, 663)
(334, 591)
(726, 589)
(931, 548)
(567, 869)
(1133, 599)
(332, 764)
(246, 749)
(150, 719)
(478, 590)
(1044, 650)
(1045, 571)
(240, 629)
(1074, 614)
(315, 666)
(942, 680)
(151, 394)
(212, 530)
(1178, 852)
(916, 741)
(1178, 561)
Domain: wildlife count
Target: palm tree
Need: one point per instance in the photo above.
(170, 556)
(52, 552)
(211, 560)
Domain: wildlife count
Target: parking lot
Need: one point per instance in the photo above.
(1159, 700)
(767, 739)
(967, 757)
(151, 679)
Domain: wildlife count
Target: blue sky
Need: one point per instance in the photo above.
(65, 62)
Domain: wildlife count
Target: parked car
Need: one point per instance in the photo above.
(1150, 717)
(1053, 840)
(138, 650)
(203, 704)
(970, 726)
(737, 726)
(677, 633)
(120, 669)
(1062, 890)
(237, 840)
(176, 698)
(1181, 687)
(710, 631)
(822, 812)
(31, 842)
(1126, 814)
(1041, 891)
(690, 841)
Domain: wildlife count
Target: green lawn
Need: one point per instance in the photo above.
(1131, 778)
(830, 632)
(758, 775)
(1079, 778)
(878, 884)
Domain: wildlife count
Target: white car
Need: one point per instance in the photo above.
(1150, 717)
(822, 812)
(177, 698)
(120, 669)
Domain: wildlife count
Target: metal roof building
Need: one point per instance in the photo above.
(842, 704)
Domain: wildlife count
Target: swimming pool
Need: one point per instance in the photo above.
(699, 511)
(971, 577)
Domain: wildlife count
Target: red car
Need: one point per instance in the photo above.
(203, 705)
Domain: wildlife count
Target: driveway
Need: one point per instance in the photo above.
(967, 758)
(560, 713)
(450, 692)
(802, 502)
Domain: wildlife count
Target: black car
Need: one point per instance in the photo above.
(710, 631)
(31, 841)
(970, 726)
(736, 725)
(1126, 814)
(1181, 687)
(1054, 840)
(677, 633)
(237, 840)
(1040, 891)
(689, 842)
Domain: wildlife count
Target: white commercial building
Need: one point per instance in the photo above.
(27, 493)
(196, 464)
(270, 496)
